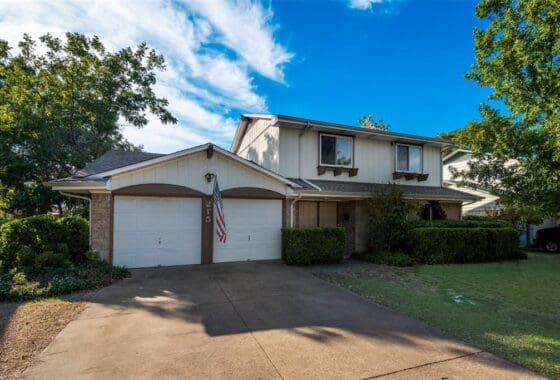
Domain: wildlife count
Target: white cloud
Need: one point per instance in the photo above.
(213, 49)
(369, 4)
(363, 4)
(245, 27)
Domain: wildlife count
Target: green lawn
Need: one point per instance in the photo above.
(510, 309)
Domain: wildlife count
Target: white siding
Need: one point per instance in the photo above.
(487, 205)
(375, 160)
(189, 171)
(459, 164)
(289, 153)
(260, 144)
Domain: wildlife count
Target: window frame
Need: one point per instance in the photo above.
(351, 138)
(409, 146)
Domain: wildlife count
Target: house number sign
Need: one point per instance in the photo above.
(208, 210)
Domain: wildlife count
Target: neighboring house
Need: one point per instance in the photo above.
(488, 204)
(150, 209)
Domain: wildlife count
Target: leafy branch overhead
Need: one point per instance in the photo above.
(518, 57)
(368, 121)
(63, 107)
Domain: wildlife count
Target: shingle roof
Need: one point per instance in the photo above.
(414, 191)
(370, 131)
(304, 185)
(114, 159)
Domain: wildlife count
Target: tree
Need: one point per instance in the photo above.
(63, 108)
(367, 121)
(518, 57)
(389, 220)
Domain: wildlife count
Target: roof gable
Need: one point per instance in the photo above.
(210, 148)
(114, 159)
(456, 155)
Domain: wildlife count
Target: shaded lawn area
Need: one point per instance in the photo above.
(26, 328)
(510, 309)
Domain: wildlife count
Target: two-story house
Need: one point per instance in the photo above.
(149, 209)
(488, 204)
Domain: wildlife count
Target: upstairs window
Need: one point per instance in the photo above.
(409, 158)
(336, 150)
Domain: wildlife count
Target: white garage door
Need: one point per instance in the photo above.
(253, 230)
(152, 231)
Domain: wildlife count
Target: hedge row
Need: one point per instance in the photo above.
(435, 245)
(465, 223)
(305, 246)
(43, 241)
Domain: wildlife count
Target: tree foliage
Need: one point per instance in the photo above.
(518, 57)
(61, 108)
(389, 220)
(368, 121)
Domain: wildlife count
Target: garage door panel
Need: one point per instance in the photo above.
(253, 230)
(124, 205)
(131, 240)
(151, 231)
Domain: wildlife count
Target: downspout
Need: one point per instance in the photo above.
(292, 203)
(89, 208)
(299, 149)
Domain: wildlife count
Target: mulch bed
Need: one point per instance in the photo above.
(360, 268)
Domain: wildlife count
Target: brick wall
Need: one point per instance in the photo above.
(100, 220)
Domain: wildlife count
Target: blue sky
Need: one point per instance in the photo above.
(401, 60)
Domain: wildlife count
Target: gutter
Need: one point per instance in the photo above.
(369, 195)
(301, 133)
(287, 120)
(76, 186)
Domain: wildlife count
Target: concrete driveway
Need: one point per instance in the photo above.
(251, 320)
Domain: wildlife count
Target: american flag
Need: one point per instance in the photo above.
(220, 220)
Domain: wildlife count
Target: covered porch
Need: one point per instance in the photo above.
(351, 214)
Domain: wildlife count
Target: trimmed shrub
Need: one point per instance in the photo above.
(49, 259)
(397, 259)
(16, 286)
(76, 230)
(317, 245)
(481, 218)
(389, 220)
(3, 219)
(23, 241)
(465, 223)
(433, 245)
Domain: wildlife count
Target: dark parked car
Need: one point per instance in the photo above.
(549, 239)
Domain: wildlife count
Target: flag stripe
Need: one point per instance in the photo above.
(220, 218)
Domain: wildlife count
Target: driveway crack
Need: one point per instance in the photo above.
(423, 365)
(249, 330)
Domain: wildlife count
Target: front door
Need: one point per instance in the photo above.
(347, 219)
